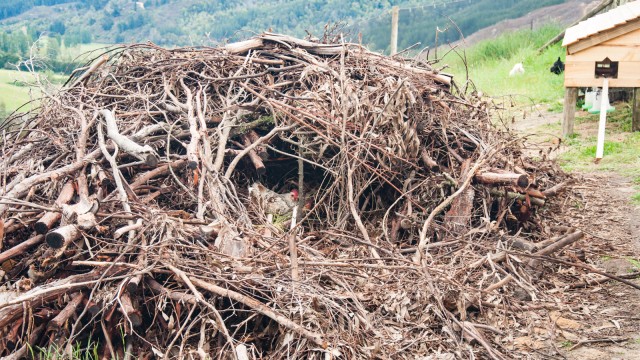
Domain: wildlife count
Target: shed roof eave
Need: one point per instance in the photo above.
(602, 23)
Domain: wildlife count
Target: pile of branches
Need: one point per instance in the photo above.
(388, 217)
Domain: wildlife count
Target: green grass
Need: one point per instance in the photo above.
(90, 352)
(567, 344)
(14, 85)
(490, 61)
(15, 90)
(635, 263)
(621, 157)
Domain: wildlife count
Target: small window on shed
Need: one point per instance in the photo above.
(607, 68)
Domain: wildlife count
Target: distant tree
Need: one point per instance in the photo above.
(53, 48)
(106, 23)
(57, 27)
(76, 36)
(3, 111)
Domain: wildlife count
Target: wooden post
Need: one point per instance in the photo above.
(394, 30)
(635, 120)
(570, 97)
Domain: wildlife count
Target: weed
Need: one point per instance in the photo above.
(556, 107)
(78, 352)
(567, 344)
(634, 262)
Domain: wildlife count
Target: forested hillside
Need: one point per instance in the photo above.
(187, 22)
(420, 24)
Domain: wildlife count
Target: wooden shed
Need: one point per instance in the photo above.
(604, 46)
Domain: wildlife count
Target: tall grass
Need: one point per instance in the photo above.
(510, 44)
(489, 62)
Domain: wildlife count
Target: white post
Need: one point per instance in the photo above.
(604, 106)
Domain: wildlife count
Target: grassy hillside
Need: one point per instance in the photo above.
(15, 88)
(418, 24)
(489, 62)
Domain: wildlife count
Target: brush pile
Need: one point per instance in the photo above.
(416, 229)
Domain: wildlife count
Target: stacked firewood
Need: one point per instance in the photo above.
(273, 198)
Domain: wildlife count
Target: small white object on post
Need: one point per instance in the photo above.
(603, 119)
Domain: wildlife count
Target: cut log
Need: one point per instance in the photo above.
(496, 179)
(536, 193)
(429, 162)
(514, 195)
(158, 289)
(134, 284)
(556, 189)
(62, 236)
(20, 248)
(556, 246)
(127, 308)
(260, 149)
(92, 307)
(522, 244)
(243, 46)
(253, 156)
(51, 217)
(64, 315)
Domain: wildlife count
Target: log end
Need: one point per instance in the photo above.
(151, 160)
(136, 318)
(261, 170)
(93, 308)
(263, 155)
(54, 240)
(132, 287)
(523, 181)
(41, 227)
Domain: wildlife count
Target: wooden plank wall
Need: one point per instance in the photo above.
(580, 67)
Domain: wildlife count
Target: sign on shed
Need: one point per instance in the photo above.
(604, 46)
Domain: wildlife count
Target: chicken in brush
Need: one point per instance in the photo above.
(271, 202)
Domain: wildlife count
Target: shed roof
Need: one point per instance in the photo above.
(602, 22)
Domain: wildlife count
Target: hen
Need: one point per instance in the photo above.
(271, 202)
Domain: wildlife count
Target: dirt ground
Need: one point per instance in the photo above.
(603, 321)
